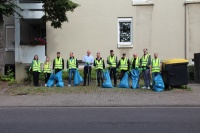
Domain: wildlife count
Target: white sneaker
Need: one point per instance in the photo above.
(45, 85)
(144, 87)
(69, 85)
(54, 85)
(148, 88)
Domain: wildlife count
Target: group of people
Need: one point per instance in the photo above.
(145, 64)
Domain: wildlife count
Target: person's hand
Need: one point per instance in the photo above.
(67, 70)
(77, 69)
(87, 63)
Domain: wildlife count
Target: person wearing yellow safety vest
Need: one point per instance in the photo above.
(123, 65)
(47, 68)
(145, 63)
(112, 61)
(58, 64)
(99, 66)
(156, 66)
(36, 68)
(72, 66)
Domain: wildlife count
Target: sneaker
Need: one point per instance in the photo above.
(69, 85)
(144, 87)
(148, 88)
(45, 85)
(54, 85)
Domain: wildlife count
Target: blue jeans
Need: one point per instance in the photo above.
(73, 70)
(153, 76)
(146, 74)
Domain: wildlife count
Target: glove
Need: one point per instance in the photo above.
(104, 70)
(67, 70)
(77, 69)
(87, 63)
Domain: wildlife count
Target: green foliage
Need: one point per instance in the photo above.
(191, 72)
(8, 8)
(55, 11)
(9, 77)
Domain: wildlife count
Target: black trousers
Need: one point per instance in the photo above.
(122, 73)
(36, 78)
(99, 74)
(46, 77)
(87, 74)
(56, 71)
(113, 73)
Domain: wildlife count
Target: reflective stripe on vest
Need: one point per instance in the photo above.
(145, 60)
(99, 64)
(47, 66)
(112, 60)
(137, 62)
(36, 65)
(72, 63)
(123, 64)
(156, 65)
(58, 63)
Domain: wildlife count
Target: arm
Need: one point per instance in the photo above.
(108, 62)
(128, 62)
(53, 63)
(76, 63)
(94, 64)
(149, 61)
(103, 64)
(67, 65)
(63, 64)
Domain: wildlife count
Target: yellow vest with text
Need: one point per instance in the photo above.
(72, 63)
(123, 64)
(47, 67)
(112, 60)
(58, 63)
(36, 66)
(155, 65)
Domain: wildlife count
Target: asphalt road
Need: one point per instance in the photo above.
(99, 120)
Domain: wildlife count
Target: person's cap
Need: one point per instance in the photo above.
(124, 54)
(58, 52)
(111, 51)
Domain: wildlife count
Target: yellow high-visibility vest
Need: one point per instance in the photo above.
(137, 62)
(47, 66)
(72, 63)
(123, 64)
(155, 65)
(99, 64)
(58, 63)
(145, 60)
(36, 66)
(112, 60)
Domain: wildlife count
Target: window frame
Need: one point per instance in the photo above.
(125, 44)
(7, 48)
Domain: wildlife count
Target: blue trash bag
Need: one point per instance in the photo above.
(77, 78)
(158, 83)
(58, 77)
(135, 73)
(50, 82)
(107, 82)
(124, 83)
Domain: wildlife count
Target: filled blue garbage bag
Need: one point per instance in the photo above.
(124, 83)
(50, 82)
(158, 83)
(107, 82)
(58, 77)
(77, 78)
(135, 73)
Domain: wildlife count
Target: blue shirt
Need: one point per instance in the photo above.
(89, 59)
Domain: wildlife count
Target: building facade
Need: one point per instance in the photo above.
(170, 28)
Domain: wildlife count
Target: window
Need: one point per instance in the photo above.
(142, 2)
(10, 38)
(124, 32)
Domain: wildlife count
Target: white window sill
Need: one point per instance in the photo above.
(147, 3)
(125, 45)
(192, 1)
(9, 49)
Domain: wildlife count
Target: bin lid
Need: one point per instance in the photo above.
(174, 61)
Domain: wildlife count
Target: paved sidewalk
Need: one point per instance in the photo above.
(108, 99)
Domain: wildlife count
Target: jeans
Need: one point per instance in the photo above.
(146, 74)
(46, 76)
(71, 71)
(36, 78)
(87, 74)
